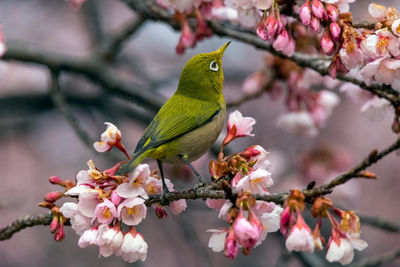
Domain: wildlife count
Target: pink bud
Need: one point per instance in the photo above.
(54, 225)
(53, 196)
(59, 236)
(335, 31)
(317, 8)
(305, 13)
(56, 180)
(231, 246)
(332, 11)
(285, 219)
(247, 232)
(289, 49)
(202, 29)
(261, 30)
(314, 24)
(327, 45)
(161, 213)
(115, 198)
(271, 26)
(281, 41)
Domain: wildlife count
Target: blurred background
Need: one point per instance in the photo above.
(37, 142)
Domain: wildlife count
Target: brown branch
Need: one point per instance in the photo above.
(22, 223)
(245, 98)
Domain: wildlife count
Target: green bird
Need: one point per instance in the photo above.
(190, 122)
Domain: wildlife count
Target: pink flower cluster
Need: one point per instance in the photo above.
(345, 236)
(249, 220)
(106, 202)
(312, 13)
(308, 110)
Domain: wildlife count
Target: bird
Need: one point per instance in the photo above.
(189, 123)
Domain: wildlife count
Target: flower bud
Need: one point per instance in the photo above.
(54, 225)
(281, 41)
(231, 246)
(161, 213)
(335, 31)
(53, 196)
(271, 25)
(317, 8)
(261, 30)
(314, 25)
(305, 13)
(327, 44)
(115, 198)
(46, 205)
(56, 180)
(59, 236)
(332, 11)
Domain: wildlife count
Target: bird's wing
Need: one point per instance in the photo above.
(178, 116)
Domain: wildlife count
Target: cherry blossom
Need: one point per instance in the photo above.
(132, 211)
(300, 237)
(133, 247)
(134, 187)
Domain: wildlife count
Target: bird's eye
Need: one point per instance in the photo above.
(214, 66)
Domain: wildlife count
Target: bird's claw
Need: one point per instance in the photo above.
(163, 200)
(199, 185)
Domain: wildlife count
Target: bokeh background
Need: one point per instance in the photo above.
(37, 142)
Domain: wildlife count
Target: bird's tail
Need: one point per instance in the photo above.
(133, 162)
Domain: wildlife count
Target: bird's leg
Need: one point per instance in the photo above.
(187, 162)
(164, 185)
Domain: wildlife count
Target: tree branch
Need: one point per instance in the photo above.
(383, 224)
(378, 260)
(24, 222)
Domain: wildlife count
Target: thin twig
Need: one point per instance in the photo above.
(113, 45)
(378, 260)
(245, 98)
(59, 102)
(93, 17)
(380, 223)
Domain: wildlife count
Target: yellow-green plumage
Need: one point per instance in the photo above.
(191, 120)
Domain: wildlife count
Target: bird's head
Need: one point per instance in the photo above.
(202, 76)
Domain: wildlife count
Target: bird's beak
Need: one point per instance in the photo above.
(221, 50)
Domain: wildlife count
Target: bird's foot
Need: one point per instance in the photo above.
(163, 200)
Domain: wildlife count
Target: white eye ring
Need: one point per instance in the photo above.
(214, 66)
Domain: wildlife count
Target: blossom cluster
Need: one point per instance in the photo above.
(344, 238)
(246, 173)
(108, 203)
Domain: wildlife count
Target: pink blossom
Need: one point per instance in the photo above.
(261, 29)
(105, 212)
(186, 39)
(3, 47)
(247, 231)
(327, 100)
(215, 203)
(224, 13)
(248, 17)
(327, 45)
(263, 4)
(111, 241)
(377, 11)
(153, 186)
(256, 181)
(355, 93)
(88, 201)
(238, 126)
(340, 250)
(281, 41)
(290, 48)
(178, 206)
(305, 13)
(381, 44)
(89, 237)
(297, 123)
(217, 239)
(351, 56)
(395, 28)
(300, 237)
(79, 222)
(132, 211)
(385, 70)
(225, 209)
(133, 248)
(270, 219)
(231, 247)
(317, 8)
(285, 219)
(134, 187)
(259, 155)
(375, 108)
(343, 5)
(76, 4)
(109, 138)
